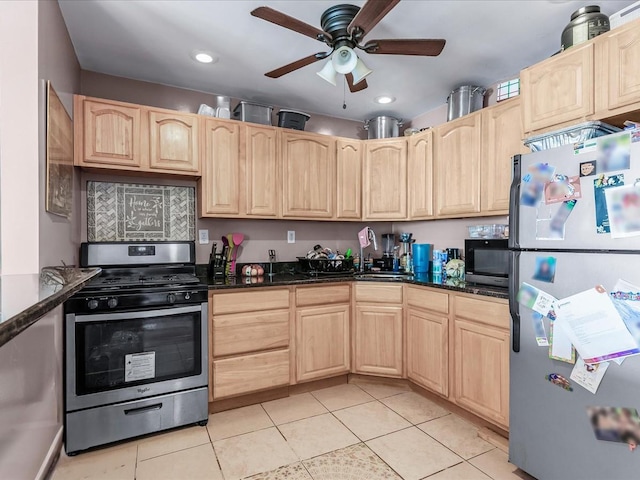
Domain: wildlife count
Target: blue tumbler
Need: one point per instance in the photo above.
(421, 257)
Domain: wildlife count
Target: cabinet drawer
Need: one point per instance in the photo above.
(490, 312)
(249, 332)
(238, 302)
(427, 299)
(378, 293)
(306, 296)
(250, 373)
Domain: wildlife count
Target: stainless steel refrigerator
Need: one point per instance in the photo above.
(550, 432)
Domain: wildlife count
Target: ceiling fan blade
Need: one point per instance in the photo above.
(303, 62)
(370, 14)
(423, 47)
(361, 85)
(279, 18)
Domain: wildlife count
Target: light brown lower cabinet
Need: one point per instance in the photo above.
(428, 350)
(250, 373)
(322, 342)
(482, 358)
(378, 340)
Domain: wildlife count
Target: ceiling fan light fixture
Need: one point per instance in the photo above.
(328, 73)
(384, 99)
(360, 72)
(344, 60)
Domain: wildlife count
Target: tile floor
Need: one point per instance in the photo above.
(352, 431)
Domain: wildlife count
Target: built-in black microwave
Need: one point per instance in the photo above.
(487, 261)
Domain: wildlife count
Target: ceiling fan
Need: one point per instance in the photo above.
(343, 30)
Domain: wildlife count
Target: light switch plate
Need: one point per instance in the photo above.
(291, 236)
(203, 237)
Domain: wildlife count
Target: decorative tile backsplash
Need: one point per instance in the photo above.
(129, 212)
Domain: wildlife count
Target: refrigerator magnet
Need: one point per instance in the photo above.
(561, 347)
(535, 299)
(614, 152)
(560, 381)
(538, 328)
(600, 184)
(616, 424)
(588, 168)
(623, 210)
(561, 189)
(588, 375)
(545, 269)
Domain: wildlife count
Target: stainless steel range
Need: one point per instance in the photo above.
(135, 344)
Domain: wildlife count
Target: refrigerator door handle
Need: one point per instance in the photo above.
(514, 267)
(514, 203)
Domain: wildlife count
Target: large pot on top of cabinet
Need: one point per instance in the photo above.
(383, 126)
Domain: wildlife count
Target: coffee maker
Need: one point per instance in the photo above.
(388, 246)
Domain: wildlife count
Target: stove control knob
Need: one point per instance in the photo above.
(187, 296)
(112, 302)
(171, 298)
(92, 304)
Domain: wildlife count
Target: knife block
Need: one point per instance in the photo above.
(217, 266)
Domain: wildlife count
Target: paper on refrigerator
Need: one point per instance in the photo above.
(588, 376)
(595, 327)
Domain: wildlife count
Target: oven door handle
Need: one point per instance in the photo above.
(99, 317)
(148, 408)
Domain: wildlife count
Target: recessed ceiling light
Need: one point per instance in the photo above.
(383, 99)
(203, 57)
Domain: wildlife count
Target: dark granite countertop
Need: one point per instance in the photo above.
(286, 279)
(26, 298)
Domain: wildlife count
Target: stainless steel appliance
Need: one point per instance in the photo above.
(383, 126)
(550, 432)
(136, 357)
(388, 244)
(487, 261)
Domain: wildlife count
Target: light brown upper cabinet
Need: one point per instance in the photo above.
(108, 134)
(123, 136)
(501, 140)
(420, 179)
(262, 186)
(219, 187)
(385, 179)
(308, 175)
(173, 142)
(617, 77)
(457, 166)
(349, 179)
(559, 89)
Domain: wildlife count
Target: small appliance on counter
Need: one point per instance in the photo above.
(487, 261)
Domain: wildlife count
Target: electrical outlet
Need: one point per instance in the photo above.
(203, 237)
(291, 236)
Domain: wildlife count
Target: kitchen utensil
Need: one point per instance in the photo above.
(586, 23)
(464, 100)
(383, 126)
(453, 253)
(237, 238)
(229, 238)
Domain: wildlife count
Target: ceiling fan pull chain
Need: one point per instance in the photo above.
(344, 93)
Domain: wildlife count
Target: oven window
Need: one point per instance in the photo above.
(491, 262)
(116, 353)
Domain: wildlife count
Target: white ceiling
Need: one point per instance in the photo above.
(487, 41)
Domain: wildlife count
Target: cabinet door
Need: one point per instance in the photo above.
(173, 142)
(220, 187)
(308, 173)
(385, 179)
(349, 179)
(420, 181)
(501, 140)
(261, 176)
(482, 370)
(559, 89)
(112, 135)
(322, 342)
(378, 342)
(623, 58)
(457, 166)
(428, 350)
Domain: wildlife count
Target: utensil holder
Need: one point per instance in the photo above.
(217, 266)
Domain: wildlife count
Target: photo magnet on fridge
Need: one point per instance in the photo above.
(615, 424)
(588, 168)
(614, 153)
(599, 185)
(561, 189)
(545, 269)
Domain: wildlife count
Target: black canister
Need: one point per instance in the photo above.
(586, 23)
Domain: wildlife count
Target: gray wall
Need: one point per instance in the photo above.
(57, 62)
